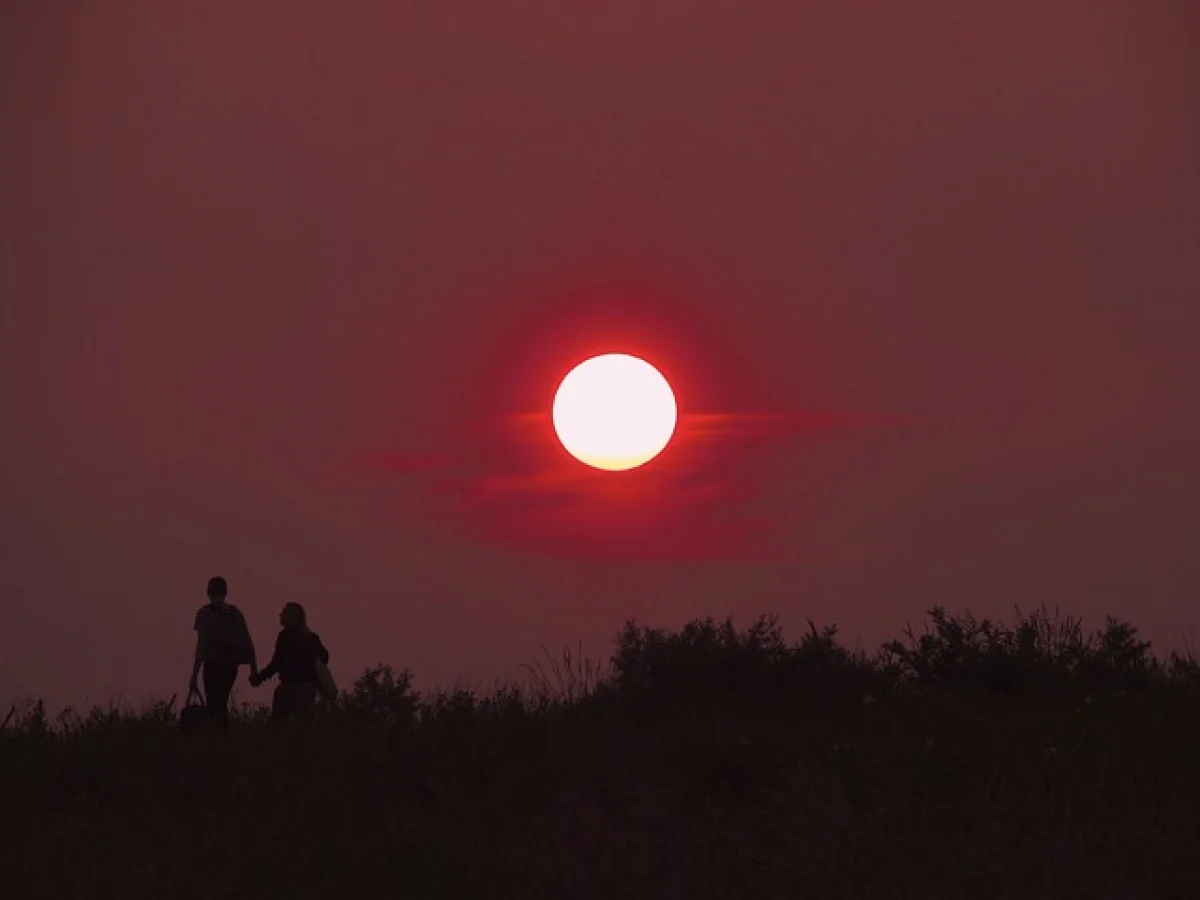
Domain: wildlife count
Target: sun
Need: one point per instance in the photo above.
(614, 412)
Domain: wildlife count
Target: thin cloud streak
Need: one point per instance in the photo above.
(690, 503)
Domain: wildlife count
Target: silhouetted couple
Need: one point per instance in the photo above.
(223, 644)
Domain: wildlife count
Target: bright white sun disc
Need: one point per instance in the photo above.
(614, 412)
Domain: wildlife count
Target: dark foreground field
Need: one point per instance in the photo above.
(971, 762)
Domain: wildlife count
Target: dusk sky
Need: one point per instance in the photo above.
(287, 290)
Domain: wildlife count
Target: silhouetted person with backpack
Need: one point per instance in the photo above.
(297, 652)
(223, 643)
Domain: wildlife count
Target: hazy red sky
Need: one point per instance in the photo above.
(246, 255)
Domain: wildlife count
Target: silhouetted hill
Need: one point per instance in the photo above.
(974, 760)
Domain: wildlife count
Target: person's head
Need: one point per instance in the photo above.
(292, 616)
(218, 590)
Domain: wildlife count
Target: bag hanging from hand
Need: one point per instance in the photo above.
(194, 715)
(326, 686)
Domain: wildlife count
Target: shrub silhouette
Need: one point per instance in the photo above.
(382, 694)
(704, 656)
(1043, 653)
(707, 661)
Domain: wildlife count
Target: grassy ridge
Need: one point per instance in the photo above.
(973, 760)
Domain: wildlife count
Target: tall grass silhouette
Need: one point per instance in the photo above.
(971, 759)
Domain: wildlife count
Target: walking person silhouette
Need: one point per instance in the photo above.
(297, 652)
(223, 643)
